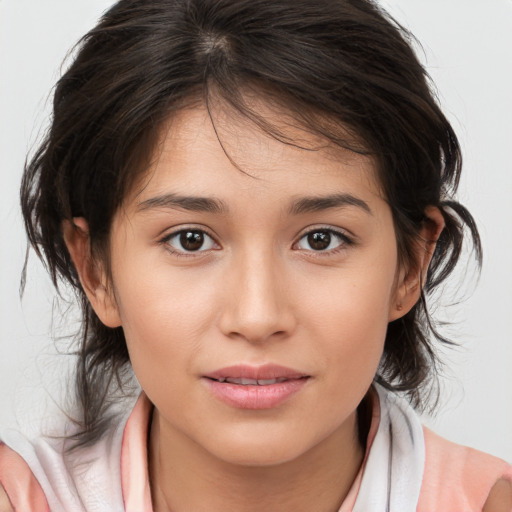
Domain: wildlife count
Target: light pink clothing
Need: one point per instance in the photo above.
(455, 478)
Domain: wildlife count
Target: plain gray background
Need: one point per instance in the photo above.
(467, 48)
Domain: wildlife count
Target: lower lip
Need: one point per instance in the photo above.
(255, 397)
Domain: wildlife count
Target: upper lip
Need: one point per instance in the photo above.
(264, 372)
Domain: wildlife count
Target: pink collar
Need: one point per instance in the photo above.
(134, 458)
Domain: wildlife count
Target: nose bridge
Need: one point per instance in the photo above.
(259, 306)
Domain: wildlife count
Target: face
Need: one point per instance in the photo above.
(254, 300)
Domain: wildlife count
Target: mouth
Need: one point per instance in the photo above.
(263, 375)
(263, 387)
(241, 381)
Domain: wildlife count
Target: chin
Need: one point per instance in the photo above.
(260, 456)
(260, 449)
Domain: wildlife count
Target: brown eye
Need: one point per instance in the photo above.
(323, 240)
(190, 240)
(319, 240)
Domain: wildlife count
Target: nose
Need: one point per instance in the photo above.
(258, 303)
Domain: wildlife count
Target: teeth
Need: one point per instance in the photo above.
(248, 382)
(252, 382)
(243, 381)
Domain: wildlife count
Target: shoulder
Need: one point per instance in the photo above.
(19, 488)
(460, 478)
(40, 472)
(5, 502)
(500, 497)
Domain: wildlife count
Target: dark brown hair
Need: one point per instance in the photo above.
(343, 68)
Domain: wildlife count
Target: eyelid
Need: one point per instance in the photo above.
(342, 234)
(164, 240)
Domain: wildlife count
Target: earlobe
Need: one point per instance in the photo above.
(411, 280)
(93, 278)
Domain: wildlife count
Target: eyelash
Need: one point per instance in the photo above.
(343, 238)
(188, 253)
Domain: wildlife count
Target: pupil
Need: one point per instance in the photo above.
(192, 240)
(319, 240)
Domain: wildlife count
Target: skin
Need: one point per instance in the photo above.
(255, 292)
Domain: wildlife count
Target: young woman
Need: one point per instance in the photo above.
(252, 200)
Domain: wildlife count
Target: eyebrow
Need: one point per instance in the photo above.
(190, 203)
(217, 206)
(315, 204)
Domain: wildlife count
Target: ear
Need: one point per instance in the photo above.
(93, 278)
(410, 280)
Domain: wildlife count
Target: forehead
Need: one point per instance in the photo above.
(200, 148)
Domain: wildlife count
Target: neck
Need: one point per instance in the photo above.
(185, 477)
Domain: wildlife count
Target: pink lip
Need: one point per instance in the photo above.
(256, 396)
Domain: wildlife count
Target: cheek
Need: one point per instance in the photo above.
(357, 297)
(163, 316)
(349, 314)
